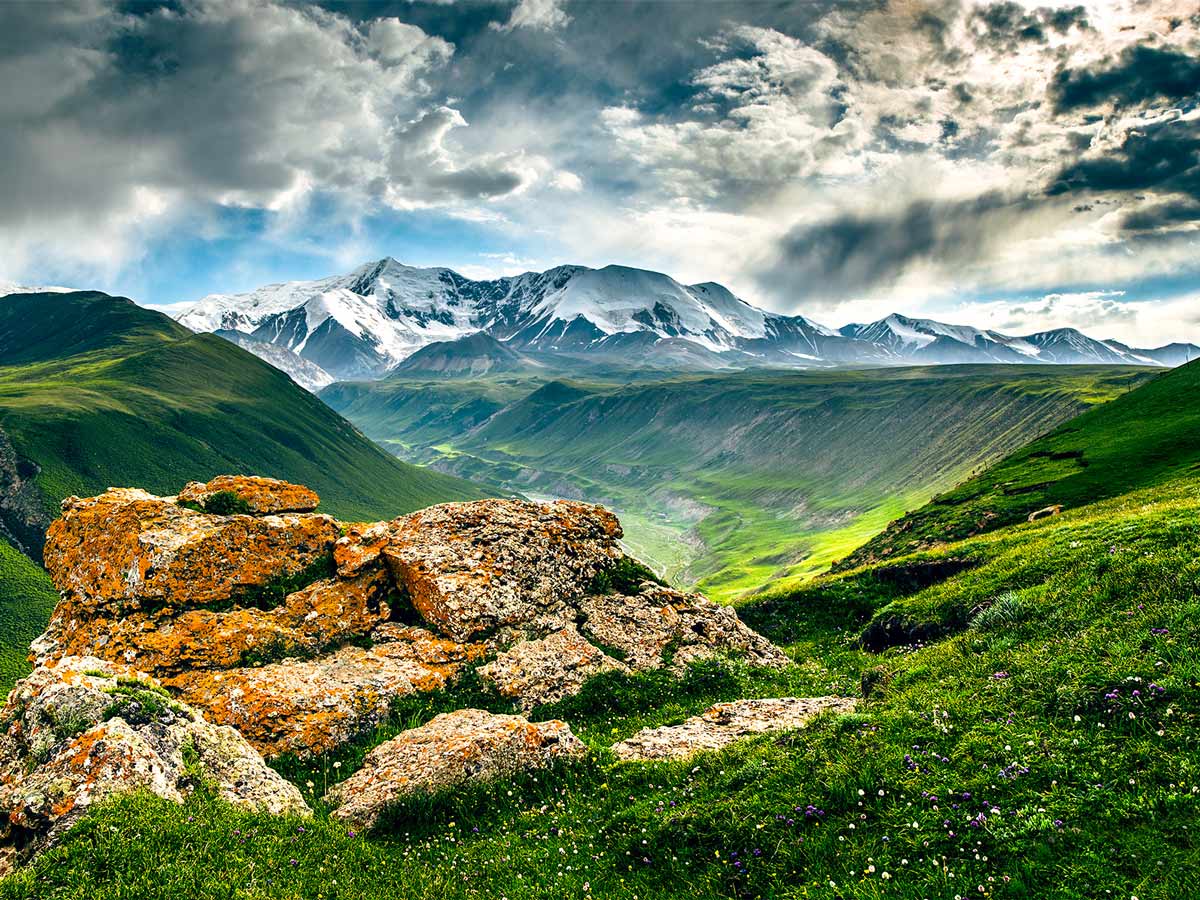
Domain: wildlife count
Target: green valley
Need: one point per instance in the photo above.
(1028, 727)
(731, 481)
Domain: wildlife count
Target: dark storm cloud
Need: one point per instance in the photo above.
(1007, 24)
(854, 253)
(1162, 215)
(1164, 157)
(1140, 74)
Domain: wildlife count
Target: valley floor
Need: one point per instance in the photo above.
(1029, 729)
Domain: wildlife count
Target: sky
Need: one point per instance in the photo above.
(1011, 165)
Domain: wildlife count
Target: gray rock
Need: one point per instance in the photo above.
(548, 669)
(659, 619)
(721, 725)
(452, 749)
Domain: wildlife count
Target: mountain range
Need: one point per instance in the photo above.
(363, 325)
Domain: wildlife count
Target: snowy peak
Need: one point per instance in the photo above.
(365, 323)
(926, 340)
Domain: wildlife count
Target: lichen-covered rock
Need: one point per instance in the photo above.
(548, 669)
(86, 729)
(286, 625)
(722, 724)
(127, 549)
(451, 749)
(327, 613)
(310, 706)
(470, 568)
(659, 619)
(260, 495)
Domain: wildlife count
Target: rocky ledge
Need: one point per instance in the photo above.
(196, 632)
(302, 631)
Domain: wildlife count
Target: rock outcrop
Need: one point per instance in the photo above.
(300, 631)
(661, 626)
(722, 724)
(86, 729)
(452, 749)
(310, 706)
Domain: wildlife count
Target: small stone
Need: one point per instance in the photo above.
(469, 745)
(722, 724)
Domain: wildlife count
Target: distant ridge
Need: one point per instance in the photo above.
(366, 323)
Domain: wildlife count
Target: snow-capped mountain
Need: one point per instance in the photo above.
(307, 374)
(362, 325)
(927, 341)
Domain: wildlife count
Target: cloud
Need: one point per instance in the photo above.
(858, 253)
(769, 114)
(1140, 74)
(1103, 314)
(536, 15)
(116, 124)
(423, 172)
(1163, 156)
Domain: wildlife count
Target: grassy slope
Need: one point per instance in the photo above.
(140, 401)
(1138, 440)
(26, 600)
(1045, 746)
(731, 481)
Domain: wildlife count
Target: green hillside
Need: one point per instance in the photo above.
(730, 481)
(1028, 728)
(97, 391)
(1139, 440)
(26, 600)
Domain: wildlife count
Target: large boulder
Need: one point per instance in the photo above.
(660, 626)
(469, 745)
(165, 642)
(86, 729)
(259, 496)
(722, 724)
(471, 568)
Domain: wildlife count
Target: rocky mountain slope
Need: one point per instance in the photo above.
(363, 324)
(730, 481)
